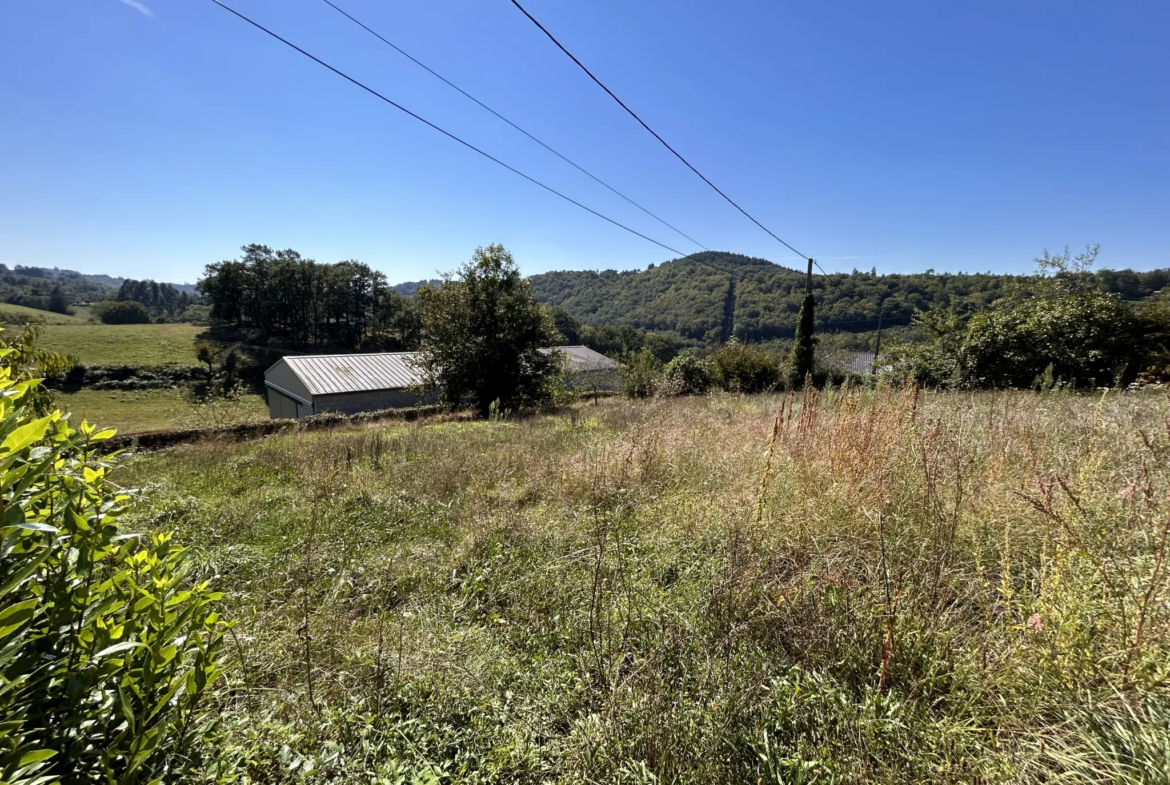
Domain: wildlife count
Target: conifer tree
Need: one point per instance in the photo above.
(803, 354)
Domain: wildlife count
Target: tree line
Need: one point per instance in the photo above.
(694, 301)
(47, 289)
(160, 299)
(307, 304)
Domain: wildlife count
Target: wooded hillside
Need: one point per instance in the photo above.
(697, 301)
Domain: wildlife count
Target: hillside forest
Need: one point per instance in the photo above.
(761, 300)
(700, 300)
(58, 290)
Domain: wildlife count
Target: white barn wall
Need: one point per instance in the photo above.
(281, 406)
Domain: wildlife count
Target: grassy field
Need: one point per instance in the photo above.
(875, 587)
(124, 344)
(19, 314)
(134, 411)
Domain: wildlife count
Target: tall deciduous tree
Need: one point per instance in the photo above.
(346, 306)
(482, 331)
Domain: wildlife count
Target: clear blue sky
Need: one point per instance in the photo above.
(146, 139)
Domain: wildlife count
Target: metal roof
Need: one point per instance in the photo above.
(862, 362)
(582, 358)
(330, 374)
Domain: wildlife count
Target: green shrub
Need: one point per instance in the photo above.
(122, 312)
(687, 374)
(640, 374)
(1079, 339)
(746, 368)
(106, 654)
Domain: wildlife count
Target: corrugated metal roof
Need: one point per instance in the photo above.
(330, 374)
(582, 358)
(862, 362)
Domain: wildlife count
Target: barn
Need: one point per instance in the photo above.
(303, 385)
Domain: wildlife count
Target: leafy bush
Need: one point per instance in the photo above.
(687, 374)
(1081, 338)
(122, 312)
(640, 374)
(106, 655)
(747, 368)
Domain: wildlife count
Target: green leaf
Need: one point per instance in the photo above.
(166, 698)
(36, 756)
(25, 435)
(16, 615)
(127, 709)
(25, 571)
(117, 647)
(38, 527)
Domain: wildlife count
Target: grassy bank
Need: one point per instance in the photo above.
(19, 314)
(875, 588)
(133, 411)
(124, 344)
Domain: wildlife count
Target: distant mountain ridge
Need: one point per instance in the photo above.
(694, 298)
(409, 288)
(116, 283)
(107, 281)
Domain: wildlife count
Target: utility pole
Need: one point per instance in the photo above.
(877, 344)
(808, 280)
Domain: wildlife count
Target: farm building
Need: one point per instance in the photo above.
(299, 386)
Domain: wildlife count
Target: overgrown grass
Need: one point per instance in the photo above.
(873, 587)
(134, 411)
(124, 344)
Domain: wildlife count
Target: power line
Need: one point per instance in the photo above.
(470, 146)
(467, 95)
(446, 133)
(632, 114)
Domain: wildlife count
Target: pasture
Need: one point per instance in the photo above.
(124, 344)
(852, 587)
(19, 314)
(135, 411)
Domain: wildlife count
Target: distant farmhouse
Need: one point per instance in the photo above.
(300, 386)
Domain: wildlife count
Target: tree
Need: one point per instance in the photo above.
(567, 326)
(57, 301)
(802, 358)
(122, 312)
(206, 354)
(343, 306)
(482, 332)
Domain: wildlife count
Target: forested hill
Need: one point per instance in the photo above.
(696, 301)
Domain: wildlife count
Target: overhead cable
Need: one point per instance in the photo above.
(652, 132)
(471, 97)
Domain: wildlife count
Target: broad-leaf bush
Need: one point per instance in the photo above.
(640, 374)
(106, 652)
(1084, 338)
(687, 374)
(747, 368)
